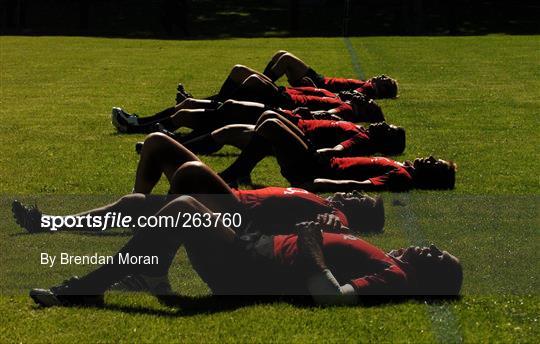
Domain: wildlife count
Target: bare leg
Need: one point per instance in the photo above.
(162, 243)
(272, 114)
(198, 180)
(272, 62)
(237, 135)
(271, 133)
(289, 65)
(256, 88)
(160, 154)
(231, 111)
(236, 78)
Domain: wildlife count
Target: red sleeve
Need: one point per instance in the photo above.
(345, 111)
(357, 145)
(396, 179)
(390, 280)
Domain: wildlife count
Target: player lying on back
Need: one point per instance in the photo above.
(203, 116)
(334, 268)
(273, 209)
(299, 73)
(327, 136)
(304, 167)
(250, 85)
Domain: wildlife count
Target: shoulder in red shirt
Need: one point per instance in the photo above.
(337, 85)
(327, 133)
(383, 173)
(352, 260)
(279, 209)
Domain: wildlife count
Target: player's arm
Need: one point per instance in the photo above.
(330, 152)
(321, 283)
(337, 185)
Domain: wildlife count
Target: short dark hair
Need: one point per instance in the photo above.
(441, 177)
(394, 142)
(390, 86)
(442, 280)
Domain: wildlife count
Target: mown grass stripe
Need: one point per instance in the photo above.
(444, 323)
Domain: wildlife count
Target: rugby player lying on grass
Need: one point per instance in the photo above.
(320, 170)
(300, 74)
(340, 137)
(247, 84)
(272, 209)
(333, 268)
(203, 115)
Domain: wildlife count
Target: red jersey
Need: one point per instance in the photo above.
(328, 134)
(337, 85)
(352, 260)
(319, 99)
(382, 172)
(277, 210)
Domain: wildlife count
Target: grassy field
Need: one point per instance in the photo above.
(470, 99)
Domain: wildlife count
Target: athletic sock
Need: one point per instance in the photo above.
(269, 73)
(158, 117)
(204, 144)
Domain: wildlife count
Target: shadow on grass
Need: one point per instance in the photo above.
(185, 306)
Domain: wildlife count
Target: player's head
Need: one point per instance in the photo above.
(384, 86)
(389, 138)
(364, 213)
(436, 272)
(432, 173)
(365, 108)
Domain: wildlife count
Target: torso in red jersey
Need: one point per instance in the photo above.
(382, 172)
(352, 260)
(317, 99)
(328, 134)
(337, 85)
(277, 210)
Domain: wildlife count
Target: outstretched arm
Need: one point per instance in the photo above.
(321, 283)
(333, 185)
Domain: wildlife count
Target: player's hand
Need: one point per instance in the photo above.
(326, 116)
(303, 112)
(330, 222)
(324, 154)
(310, 242)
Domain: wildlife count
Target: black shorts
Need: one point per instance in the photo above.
(305, 171)
(237, 268)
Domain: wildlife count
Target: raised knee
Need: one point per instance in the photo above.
(190, 168)
(238, 68)
(132, 199)
(228, 104)
(278, 54)
(268, 114)
(269, 126)
(252, 80)
(155, 139)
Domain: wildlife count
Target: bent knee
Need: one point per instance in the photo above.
(268, 114)
(132, 199)
(155, 139)
(190, 168)
(269, 126)
(239, 68)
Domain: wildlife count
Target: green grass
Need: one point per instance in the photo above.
(470, 99)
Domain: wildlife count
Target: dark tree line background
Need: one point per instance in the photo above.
(229, 18)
